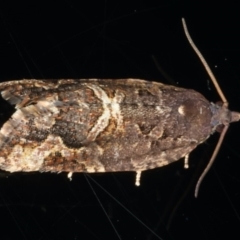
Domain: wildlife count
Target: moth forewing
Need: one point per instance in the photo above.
(101, 125)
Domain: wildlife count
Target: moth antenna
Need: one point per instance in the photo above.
(207, 168)
(205, 64)
(225, 104)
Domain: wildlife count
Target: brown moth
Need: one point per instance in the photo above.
(104, 125)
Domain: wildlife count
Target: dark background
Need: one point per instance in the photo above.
(117, 39)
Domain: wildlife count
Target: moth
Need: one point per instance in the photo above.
(104, 125)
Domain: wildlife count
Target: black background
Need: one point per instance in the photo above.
(117, 39)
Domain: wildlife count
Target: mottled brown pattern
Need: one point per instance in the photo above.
(99, 125)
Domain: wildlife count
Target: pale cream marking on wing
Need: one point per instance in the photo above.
(6, 95)
(159, 161)
(28, 158)
(111, 107)
(18, 118)
(159, 109)
(50, 105)
(92, 168)
(181, 110)
(7, 129)
(42, 113)
(156, 132)
(25, 159)
(83, 105)
(141, 165)
(47, 110)
(182, 138)
(103, 120)
(101, 150)
(115, 108)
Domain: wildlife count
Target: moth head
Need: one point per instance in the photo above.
(221, 115)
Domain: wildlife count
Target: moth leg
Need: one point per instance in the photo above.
(70, 175)
(186, 161)
(138, 176)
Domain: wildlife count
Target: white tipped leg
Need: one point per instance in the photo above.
(70, 175)
(186, 161)
(138, 176)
